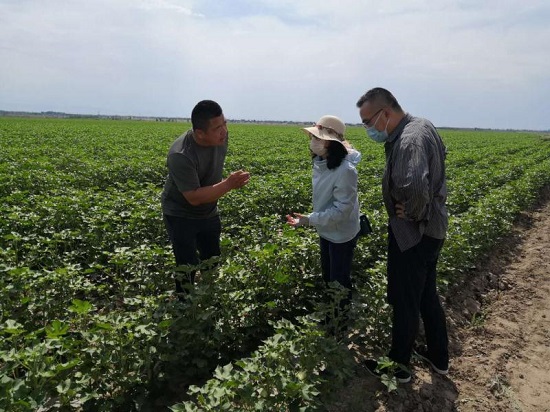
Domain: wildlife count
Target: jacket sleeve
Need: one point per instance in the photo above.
(411, 181)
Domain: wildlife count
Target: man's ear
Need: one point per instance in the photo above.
(199, 134)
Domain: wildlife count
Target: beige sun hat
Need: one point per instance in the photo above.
(328, 128)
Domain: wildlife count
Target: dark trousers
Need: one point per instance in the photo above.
(412, 293)
(189, 236)
(336, 259)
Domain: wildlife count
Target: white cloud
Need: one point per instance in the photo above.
(279, 59)
(155, 5)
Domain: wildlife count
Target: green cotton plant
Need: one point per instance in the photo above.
(57, 287)
(86, 269)
(388, 379)
(100, 360)
(193, 341)
(473, 233)
(35, 365)
(267, 277)
(228, 310)
(373, 314)
(290, 371)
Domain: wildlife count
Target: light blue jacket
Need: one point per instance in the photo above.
(335, 203)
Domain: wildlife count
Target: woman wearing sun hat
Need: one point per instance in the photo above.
(335, 213)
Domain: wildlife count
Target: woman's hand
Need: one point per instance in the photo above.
(297, 220)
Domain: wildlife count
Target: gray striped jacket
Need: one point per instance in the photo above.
(415, 176)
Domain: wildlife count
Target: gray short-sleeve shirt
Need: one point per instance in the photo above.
(191, 166)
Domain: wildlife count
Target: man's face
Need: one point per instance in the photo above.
(370, 114)
(216, 134)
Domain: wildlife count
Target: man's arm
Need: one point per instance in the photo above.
(410, 176)
(209, 194)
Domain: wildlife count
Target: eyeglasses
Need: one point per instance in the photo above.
(366, 122)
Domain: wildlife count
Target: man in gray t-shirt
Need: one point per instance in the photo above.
(194, 185)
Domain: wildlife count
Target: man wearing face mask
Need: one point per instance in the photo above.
(414, 192)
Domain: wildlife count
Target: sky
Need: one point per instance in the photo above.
(458, 63)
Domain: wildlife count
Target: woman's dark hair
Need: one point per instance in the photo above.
(203, 112)
(336, 152)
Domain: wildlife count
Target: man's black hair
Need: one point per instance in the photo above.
(203, 112)
(381, 97)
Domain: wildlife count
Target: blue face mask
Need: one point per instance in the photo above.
(377, 135)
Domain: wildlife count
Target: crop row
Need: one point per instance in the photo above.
(87, 312)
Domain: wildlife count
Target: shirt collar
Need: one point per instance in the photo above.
(400, 126)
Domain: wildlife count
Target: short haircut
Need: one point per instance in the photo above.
(380, 97)
(203, 112)
(336, 152)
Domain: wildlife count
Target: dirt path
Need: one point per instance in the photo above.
(499, 327)
(505, 361)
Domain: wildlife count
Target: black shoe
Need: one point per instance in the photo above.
(401, 374)
(423, 355)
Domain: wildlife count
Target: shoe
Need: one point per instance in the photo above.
(401, 375)
(422, 354)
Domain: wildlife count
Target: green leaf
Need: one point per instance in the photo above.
(103, 325)
(64, 386)
(12, 327)
(80, 306)
(223, 373)
(56, 329)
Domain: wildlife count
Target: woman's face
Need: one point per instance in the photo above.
(318, 146)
